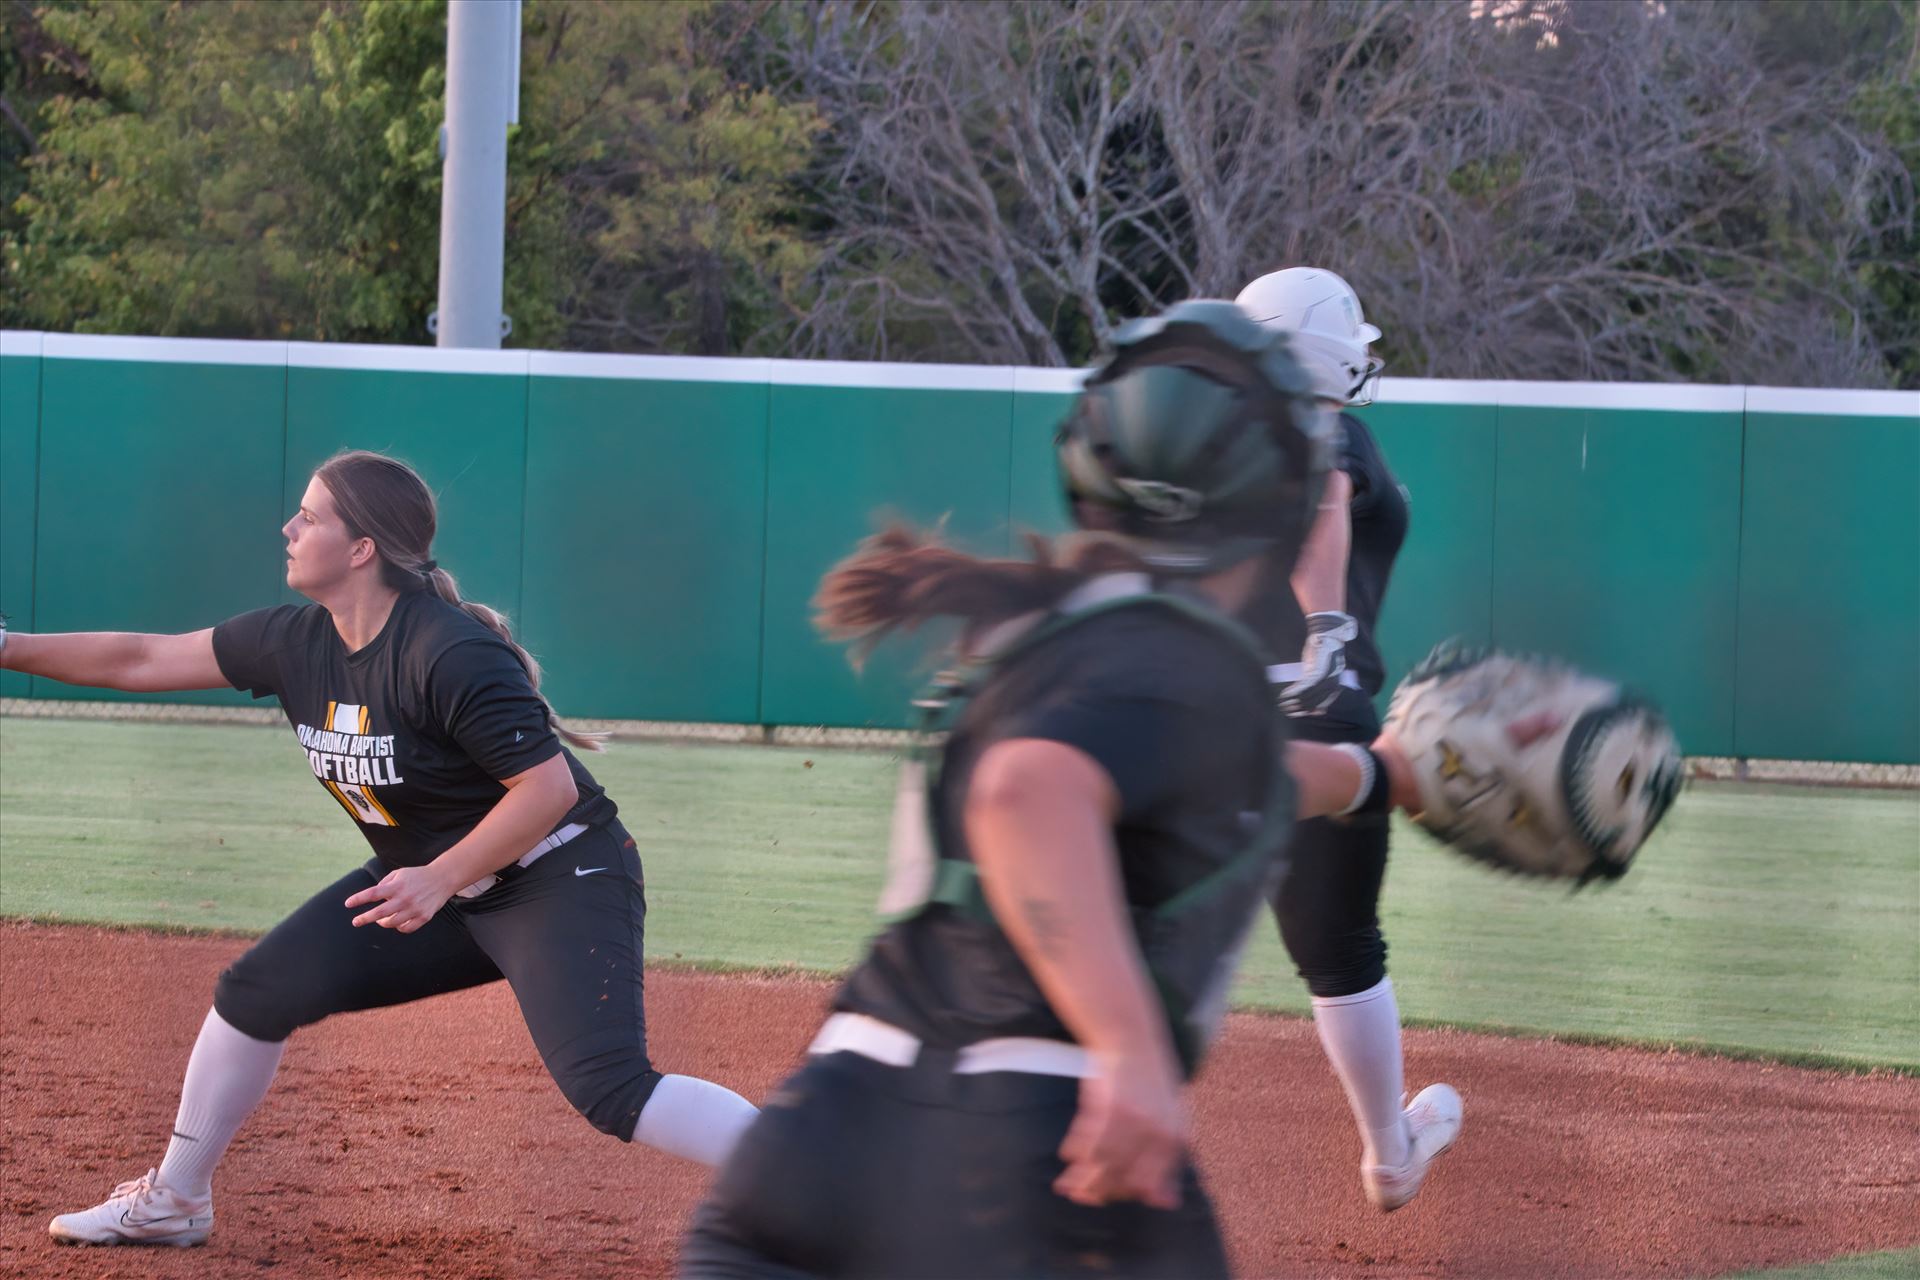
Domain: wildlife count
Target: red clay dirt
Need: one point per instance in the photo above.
(428, 1140)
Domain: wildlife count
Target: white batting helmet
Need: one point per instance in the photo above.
(1321, 313)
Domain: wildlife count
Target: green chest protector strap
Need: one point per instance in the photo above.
(921, 877)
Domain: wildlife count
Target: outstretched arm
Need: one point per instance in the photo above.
(1329, 779)
(125, 660)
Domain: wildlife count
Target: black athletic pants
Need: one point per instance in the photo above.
(1328, 902)
(565, 933)
(858, 1169)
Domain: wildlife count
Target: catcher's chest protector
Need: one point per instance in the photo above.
(1192, 940)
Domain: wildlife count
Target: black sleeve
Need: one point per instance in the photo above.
(481, 696)
(1162, 723)
(1360, 458)
(248, 648)
(1152, 748)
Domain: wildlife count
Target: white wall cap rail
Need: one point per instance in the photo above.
(1677, 396)
(1436, 391)
(88, 346)
(1821, 402)
(584, 364)
(1030, 378)
(1671, 396)
(907, 377)
(338, 355)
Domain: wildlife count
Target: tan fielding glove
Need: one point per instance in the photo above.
(1531, 765)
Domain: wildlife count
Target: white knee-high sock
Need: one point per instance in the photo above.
(1361, 1034)
(227, 1076)
(694, 1118)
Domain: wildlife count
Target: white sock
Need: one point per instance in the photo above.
(694, 1118)
(227, 1076)
(1361, 1034)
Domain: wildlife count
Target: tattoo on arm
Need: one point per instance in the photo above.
(1049, 931)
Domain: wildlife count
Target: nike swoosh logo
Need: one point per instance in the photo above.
(127, 1221)
(587, 871)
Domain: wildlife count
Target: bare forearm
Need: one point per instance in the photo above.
(1328, 779)
(1052, 879)
(521, 819)
(123, 660)
(1320, 573)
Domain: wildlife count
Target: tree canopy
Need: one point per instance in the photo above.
(1714, 191)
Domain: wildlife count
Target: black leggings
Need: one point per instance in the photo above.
(858, 1169)
(565, 933)
(1328, 902)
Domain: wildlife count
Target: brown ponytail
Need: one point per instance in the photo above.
(447, 589)
(901, 578)
(384, 499)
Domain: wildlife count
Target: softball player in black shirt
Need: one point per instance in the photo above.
(1000, 1088)
(495, 853)
(1326, 609)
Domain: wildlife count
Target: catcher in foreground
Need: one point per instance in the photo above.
(1000, 1089)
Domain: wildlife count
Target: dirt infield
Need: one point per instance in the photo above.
(428, 1141)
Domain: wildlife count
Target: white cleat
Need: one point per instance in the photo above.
(138, 1212)
(1433, 1122)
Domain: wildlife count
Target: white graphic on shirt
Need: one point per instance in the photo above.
(350, 762)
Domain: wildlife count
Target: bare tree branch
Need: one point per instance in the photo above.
(1545, 188)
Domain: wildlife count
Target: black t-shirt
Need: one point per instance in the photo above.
(1177, 715)
(412, 733)
(1378, 520)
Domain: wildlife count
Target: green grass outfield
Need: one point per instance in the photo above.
(1897, 1264)
(1762, 920)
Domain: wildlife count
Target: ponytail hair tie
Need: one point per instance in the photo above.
(427, 567)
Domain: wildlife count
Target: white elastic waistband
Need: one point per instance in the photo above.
(553, 842)
(1288, 672)
(532, 856)
(885, 1043)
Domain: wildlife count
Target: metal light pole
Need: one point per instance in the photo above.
(483, 93)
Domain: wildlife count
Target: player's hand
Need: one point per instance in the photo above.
(405, 900)
(1128, 1140)
(1403, 787)
(1403, 790)
(1322, 662)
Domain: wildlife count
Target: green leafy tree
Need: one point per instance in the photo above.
(273, 170)
(347, 218)
(34, 67)
(677, 179)
(123, 225)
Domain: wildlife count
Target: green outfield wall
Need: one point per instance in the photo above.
(656, 525)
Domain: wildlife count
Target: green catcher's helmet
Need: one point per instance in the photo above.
(1201, 438)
